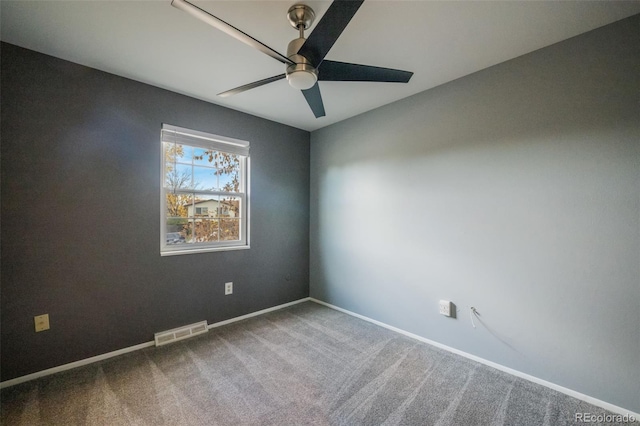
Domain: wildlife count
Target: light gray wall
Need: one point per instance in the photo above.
(514, 190)
(81, 215)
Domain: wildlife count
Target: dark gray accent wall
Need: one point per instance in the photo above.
(81, 215)
(515, 190)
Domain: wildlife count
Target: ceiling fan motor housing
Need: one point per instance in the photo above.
(301, 74)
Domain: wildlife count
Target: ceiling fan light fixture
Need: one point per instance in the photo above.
(302, 79)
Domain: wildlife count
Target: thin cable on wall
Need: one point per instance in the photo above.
(473, 312)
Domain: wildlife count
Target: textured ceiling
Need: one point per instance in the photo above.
(154, 43)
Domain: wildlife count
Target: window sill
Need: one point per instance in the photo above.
(197, 250)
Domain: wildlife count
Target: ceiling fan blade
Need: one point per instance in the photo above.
(253, 85)
(314, 99)
(227, 28)
(328, 30)
(343, 71)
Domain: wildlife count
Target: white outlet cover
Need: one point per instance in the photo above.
(445, 307)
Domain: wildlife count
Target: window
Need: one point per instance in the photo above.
(205, 201)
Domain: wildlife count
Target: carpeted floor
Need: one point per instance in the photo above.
(302, 365)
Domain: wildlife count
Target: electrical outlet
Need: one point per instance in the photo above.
(42, 322)
(445, 308)
(228, 288)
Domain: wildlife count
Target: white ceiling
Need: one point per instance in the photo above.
(439, 41)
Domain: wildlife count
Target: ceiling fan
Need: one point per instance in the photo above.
(305, 63)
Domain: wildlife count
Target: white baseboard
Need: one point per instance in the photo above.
(74, 364)
(122, 351)
(255, 314)
(562, 389)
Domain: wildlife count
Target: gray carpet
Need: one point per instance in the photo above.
(303, 365)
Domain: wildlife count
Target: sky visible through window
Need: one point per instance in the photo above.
(197, 172)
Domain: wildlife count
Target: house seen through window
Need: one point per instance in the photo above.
(204, 192)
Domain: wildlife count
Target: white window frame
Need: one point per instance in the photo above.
(194, 138)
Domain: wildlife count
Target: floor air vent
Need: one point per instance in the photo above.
(180, 333)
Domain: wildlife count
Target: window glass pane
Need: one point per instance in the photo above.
(176, 230)
(214, 158)
(176, 153)
(183, 153)
(229, 229)
(230, 180)
(205, 230)
(229, 207)
(205, 178)
(178, 176)
(200, 157)
(177, 204)
(204, 205)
